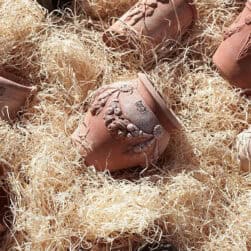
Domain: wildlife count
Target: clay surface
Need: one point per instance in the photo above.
(12, 95)
(233, 57)
(127, 125)
(151, 22)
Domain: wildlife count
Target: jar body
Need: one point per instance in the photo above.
(12, 96)
(121, 129)
(233, 57)
(150, 22)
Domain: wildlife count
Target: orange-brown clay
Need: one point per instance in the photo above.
(12, 95)
(127, 125)
(233, 57)
(150, 22)
(48, 4)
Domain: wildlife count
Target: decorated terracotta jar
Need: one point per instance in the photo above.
(151, 22)
(233, 57)
(13, 95)
(244, 150)
(128, 124)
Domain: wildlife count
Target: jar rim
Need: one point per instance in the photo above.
(169, 114)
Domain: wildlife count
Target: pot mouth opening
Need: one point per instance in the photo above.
(170, 116)
(47, 4)
(60, 3)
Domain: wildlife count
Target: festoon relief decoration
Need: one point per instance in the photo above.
(233, 57)
(151, 22)
(13, 95)
(244, 150)
(128, 124)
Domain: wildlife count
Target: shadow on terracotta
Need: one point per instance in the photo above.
(128, 124)
(177, 158)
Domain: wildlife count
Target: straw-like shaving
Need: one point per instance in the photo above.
(196, 197)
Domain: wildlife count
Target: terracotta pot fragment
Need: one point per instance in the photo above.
(128, 124)
(12, 95)
(233, 57)
(151, 22)
(244, 150)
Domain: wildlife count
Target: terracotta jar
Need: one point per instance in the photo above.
(151, 22)
(12, 95)
(233, 57)
(244, 150)
(128, 124)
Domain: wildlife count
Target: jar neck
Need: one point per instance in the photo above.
(156, 103)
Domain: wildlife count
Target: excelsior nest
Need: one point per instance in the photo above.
(196, 198)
